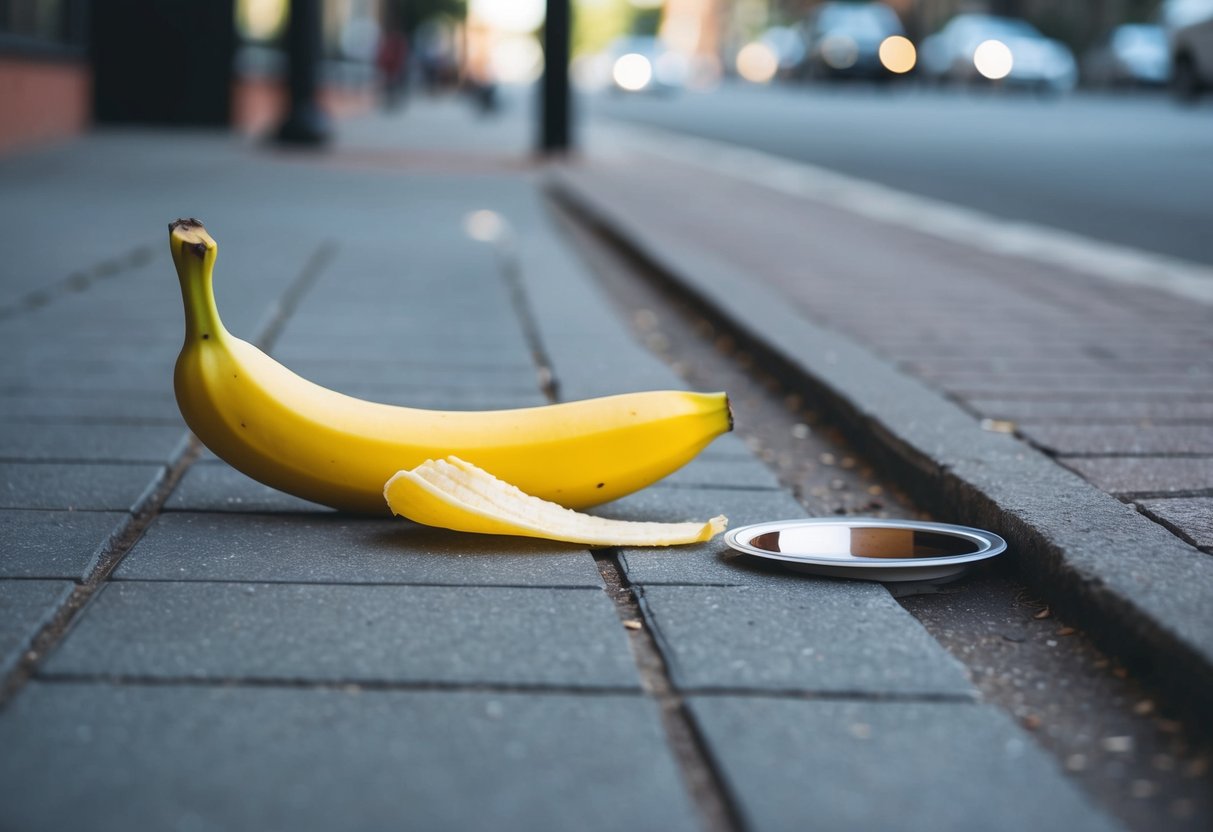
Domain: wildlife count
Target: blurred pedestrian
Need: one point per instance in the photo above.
(392, 61)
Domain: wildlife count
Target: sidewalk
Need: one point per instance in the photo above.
(934, 352)
(184, 648)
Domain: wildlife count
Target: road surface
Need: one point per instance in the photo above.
(1135, 170)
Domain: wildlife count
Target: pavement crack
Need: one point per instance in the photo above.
(705, 785)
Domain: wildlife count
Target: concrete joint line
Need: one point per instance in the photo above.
(509, 264)
(957, 224)
(79, 281)
(1140, 591)
(303, 683)
(149, 504)
(972, 700)
(705, 785)
(280, 311)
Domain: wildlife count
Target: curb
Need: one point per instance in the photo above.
(1141, 593)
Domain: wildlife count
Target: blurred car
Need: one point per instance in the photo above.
(843, 40)
(788, 47)
(1189, 25)
(973, 48)
(1133, 54)
(642, 63)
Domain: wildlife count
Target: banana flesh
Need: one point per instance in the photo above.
(333, 449)
(453, 494)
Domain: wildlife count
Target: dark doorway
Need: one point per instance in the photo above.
(163, 61)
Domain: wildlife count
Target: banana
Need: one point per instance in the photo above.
(333, 449)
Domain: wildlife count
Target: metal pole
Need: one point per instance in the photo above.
(555, 113)
(306, 124)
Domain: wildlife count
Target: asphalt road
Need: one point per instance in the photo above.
(1136, 170)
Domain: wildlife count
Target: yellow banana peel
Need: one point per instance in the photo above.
(454, 494)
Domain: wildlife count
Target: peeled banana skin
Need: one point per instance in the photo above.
(333, 449)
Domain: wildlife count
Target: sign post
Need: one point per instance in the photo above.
(555, 115)
(306, 124)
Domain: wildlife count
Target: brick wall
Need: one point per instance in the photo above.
(42, 100)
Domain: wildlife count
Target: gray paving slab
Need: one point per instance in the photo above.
(485, 321)
(51, 340)
(68, 408)
(449, 399)
(989, 385)
(1088, 410)
(459, 292)
(210, 484)
(700, 563)
(727, 446)
(103, 443)
(341, 633)
(114, 758)
(487, 326)
(1145, 475)
(822, 765)
(718, 472)
(433, 365)
(54, 544)
(612, 374)
(592, 352)
(300, 351)
(336, 548)
(140, 377)
(66, 354)
(376, 346)
(84, 486)
(740, 505)
(415, 375)
(1069, 440)
(1187, 359)
(82, 351)
(1191, 518)
(25, 606)
(812, 635)
(108, 313)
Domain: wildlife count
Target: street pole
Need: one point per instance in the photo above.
(555, 116)
(306, 124)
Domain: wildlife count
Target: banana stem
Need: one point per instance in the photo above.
(194, 253)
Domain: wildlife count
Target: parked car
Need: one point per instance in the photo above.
(787, 45)
(842, 40)
(1189, 25)
(1133, 54)
(973, 48)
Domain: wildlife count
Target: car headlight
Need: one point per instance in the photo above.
(632, 71)
(993, 59)
(897, 54)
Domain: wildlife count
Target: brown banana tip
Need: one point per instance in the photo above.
(728, 406)
(191, 236)
(185, 224)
